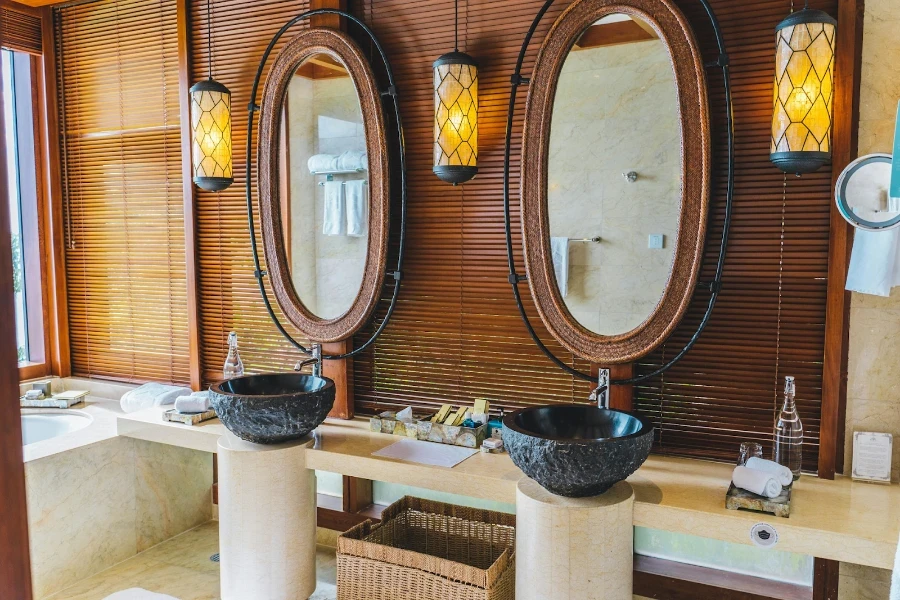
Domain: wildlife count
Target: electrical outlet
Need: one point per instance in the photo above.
(656, 241)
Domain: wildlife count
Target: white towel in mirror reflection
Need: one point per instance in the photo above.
(335, 222)
(559, 248)
(356, 207)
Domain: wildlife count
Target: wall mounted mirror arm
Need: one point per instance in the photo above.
(394, 276)
(714, 287)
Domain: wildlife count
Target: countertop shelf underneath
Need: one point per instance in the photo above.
(839, 520)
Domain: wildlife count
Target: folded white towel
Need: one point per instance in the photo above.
(351, 160)
(784, 475)
(335, 210)
(758, 482)
(197, 402)
(322, 162)
(355, 193)
(559, 248)
(138, 594)
(151, 394)
(874, 262)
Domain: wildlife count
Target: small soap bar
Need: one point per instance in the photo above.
(442, 414)
(457, 417)
(482, 406)
(492, 443)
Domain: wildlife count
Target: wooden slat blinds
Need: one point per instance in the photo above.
(21, 27)
(770, 318)
(120, 129)
(229, 297)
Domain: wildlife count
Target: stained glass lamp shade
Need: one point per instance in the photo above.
(211, 125)
(804, 92)
(455, 117)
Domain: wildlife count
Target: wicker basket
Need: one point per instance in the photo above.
(425, 550)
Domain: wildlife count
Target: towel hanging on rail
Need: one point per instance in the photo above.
(335, 210)
(355, 194)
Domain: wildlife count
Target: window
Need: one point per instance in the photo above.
(22, 201)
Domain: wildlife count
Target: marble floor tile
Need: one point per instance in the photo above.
(181, 567)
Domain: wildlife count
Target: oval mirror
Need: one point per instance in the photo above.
(323, 184)
(615, 176)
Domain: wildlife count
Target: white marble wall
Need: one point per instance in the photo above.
(95, 506)
(325, 118)
(873, 387)
(615, 111)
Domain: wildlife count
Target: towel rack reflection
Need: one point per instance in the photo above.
(365, 182)
(595, 240)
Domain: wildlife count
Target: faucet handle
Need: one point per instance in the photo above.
(600, 395)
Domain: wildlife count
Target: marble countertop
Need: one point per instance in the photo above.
(103, 412)
(840, 520)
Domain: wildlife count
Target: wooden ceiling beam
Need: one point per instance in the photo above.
(614, 34)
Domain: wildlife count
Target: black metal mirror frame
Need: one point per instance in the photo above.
(714, 286)
(391, 93)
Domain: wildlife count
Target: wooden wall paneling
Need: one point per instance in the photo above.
(330, 21)
(187, 174)
(15, 569)
(826, 579)
(848, 64)
(341, 371)
(57, 296)
(357, 494)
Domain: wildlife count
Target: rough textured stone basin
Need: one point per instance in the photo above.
(274, 408)
(577, 450)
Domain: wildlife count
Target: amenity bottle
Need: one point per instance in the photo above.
(789, 432)
(234, 366)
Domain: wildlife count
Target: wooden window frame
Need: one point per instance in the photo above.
(46, 246)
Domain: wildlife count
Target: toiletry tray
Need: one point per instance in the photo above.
(423, 429)
(738, 499)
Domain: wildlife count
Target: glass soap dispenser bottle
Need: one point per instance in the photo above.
(789, 432)
(234, 366)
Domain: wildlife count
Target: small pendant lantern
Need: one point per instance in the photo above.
(804, 91)
(211, 126)
(455, 113)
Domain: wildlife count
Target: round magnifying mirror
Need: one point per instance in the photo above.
(863, 195)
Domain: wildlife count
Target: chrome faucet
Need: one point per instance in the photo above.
(600, 395)
(315, 361)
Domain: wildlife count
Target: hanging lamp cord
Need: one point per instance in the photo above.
(456, 25)
(209, 37)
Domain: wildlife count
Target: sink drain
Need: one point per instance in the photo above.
(214, 557)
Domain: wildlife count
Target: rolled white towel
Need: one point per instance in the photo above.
(197, 402)
(351, 160)
(784, 475)
(758, 482)
(151, 394)
(322, 162)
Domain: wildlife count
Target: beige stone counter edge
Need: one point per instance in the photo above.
(849, 521)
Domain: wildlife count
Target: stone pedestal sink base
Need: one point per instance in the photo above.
(267, 520)
(574, 548)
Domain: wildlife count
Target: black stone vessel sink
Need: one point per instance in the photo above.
(577, 450)
(273, 408)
